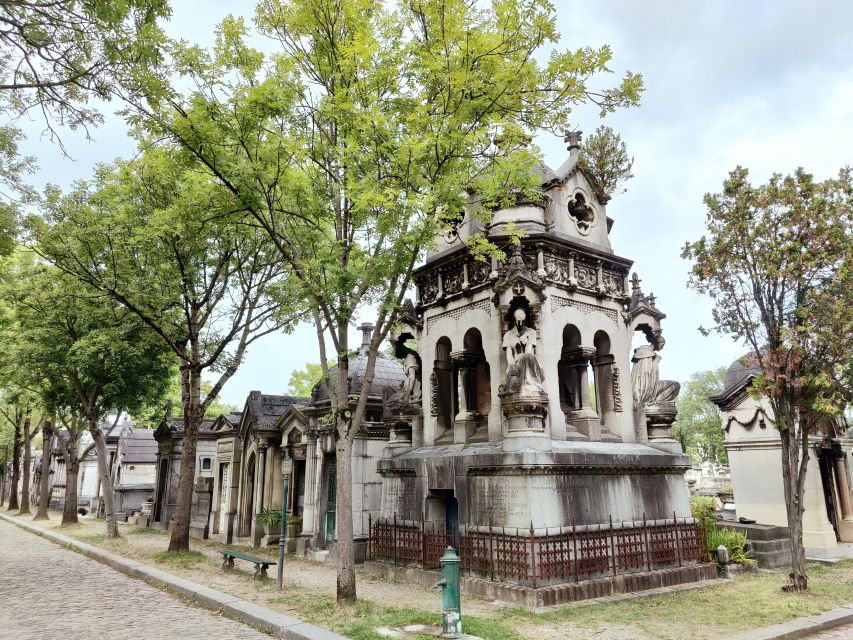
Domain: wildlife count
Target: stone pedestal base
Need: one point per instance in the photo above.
(470, 427)
(845, 529)
(585, 422)
(659, 419)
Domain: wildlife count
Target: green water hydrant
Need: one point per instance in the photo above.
(451, 607)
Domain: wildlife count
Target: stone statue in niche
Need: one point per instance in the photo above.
(524, 374)
(648, 388)
(412, 384)
(407, 399)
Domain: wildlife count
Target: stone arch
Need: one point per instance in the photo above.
(474, 394)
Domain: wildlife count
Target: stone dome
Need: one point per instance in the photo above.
(738, 373)
(387, 373)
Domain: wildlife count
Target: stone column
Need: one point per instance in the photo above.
(467, 420)
(583, 418)
(602, 373)
(261, 479)
(309, 507)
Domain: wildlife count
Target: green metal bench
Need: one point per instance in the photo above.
(260, 564)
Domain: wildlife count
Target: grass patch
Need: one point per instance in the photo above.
(143, 531)
(749, 602)
(185, 559)
(74, 548)
(360, 621)
(94, 538)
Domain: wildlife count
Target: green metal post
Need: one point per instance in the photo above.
(286, 465)
(451, 606)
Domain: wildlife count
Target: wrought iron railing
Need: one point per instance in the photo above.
(546, 556)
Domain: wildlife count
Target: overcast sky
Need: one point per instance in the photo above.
(764, 84)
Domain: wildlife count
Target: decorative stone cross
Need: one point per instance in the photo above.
(518, 289)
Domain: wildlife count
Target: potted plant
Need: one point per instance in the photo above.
(270, 519)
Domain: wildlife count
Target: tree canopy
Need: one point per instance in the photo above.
(777, 262)
(698, 427)
(371, 129)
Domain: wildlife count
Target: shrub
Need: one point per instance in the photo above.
(269, 517)
(734, 541)
(703, 507)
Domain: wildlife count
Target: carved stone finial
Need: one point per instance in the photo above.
(635, 284)
(573, 138)
(651, 300)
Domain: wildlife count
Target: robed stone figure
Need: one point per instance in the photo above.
(524, 374)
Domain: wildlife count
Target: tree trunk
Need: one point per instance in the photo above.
(106, 480)
(25, 484)
(16, 468)
(346, 592)
(71, 454)
(179, 539)
(44, 489)
(791, 470)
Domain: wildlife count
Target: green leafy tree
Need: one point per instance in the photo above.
(605, 157)
(361, 139)
(170, 245)
(777, 261)
(170, 403)
(86, 355)
(302, 381)
(54, 57)
(698, 427)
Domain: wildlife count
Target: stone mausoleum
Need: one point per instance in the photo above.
(527, 432)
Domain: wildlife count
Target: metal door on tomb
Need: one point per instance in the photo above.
(225, 493)
(331, 499)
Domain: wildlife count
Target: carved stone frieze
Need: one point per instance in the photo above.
(433, 394)
(586, 277)
(453, 280)
(617, 390)
(574, 470)
(485, 305)
(583, 307)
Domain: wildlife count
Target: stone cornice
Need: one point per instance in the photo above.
(575, 470)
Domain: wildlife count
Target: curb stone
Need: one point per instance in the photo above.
(801, 627)
(267, 620)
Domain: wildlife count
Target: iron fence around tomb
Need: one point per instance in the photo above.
(546, 556)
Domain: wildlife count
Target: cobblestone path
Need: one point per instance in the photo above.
(49, 592)
(839, 633)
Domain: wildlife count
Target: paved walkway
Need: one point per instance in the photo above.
(839, 633)
(49, 592)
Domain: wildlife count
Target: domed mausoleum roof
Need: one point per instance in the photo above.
(739, 372)
(387, 373)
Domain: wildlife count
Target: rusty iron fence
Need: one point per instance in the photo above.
(546, 556)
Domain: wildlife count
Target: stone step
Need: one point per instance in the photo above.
(772, 560)
(769, 546)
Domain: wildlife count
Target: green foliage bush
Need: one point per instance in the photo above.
(703, 507)
(734, 541)
(269, 517)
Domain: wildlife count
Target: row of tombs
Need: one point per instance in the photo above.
(514, 421)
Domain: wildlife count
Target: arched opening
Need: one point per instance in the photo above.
(473, 391)
(566, 374)
(582, 421)
(443, 390)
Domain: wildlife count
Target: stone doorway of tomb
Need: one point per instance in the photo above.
(837, 492)
(442, 509)
(249, 497)
(161, 490)
(331, 501)
(225, 494)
